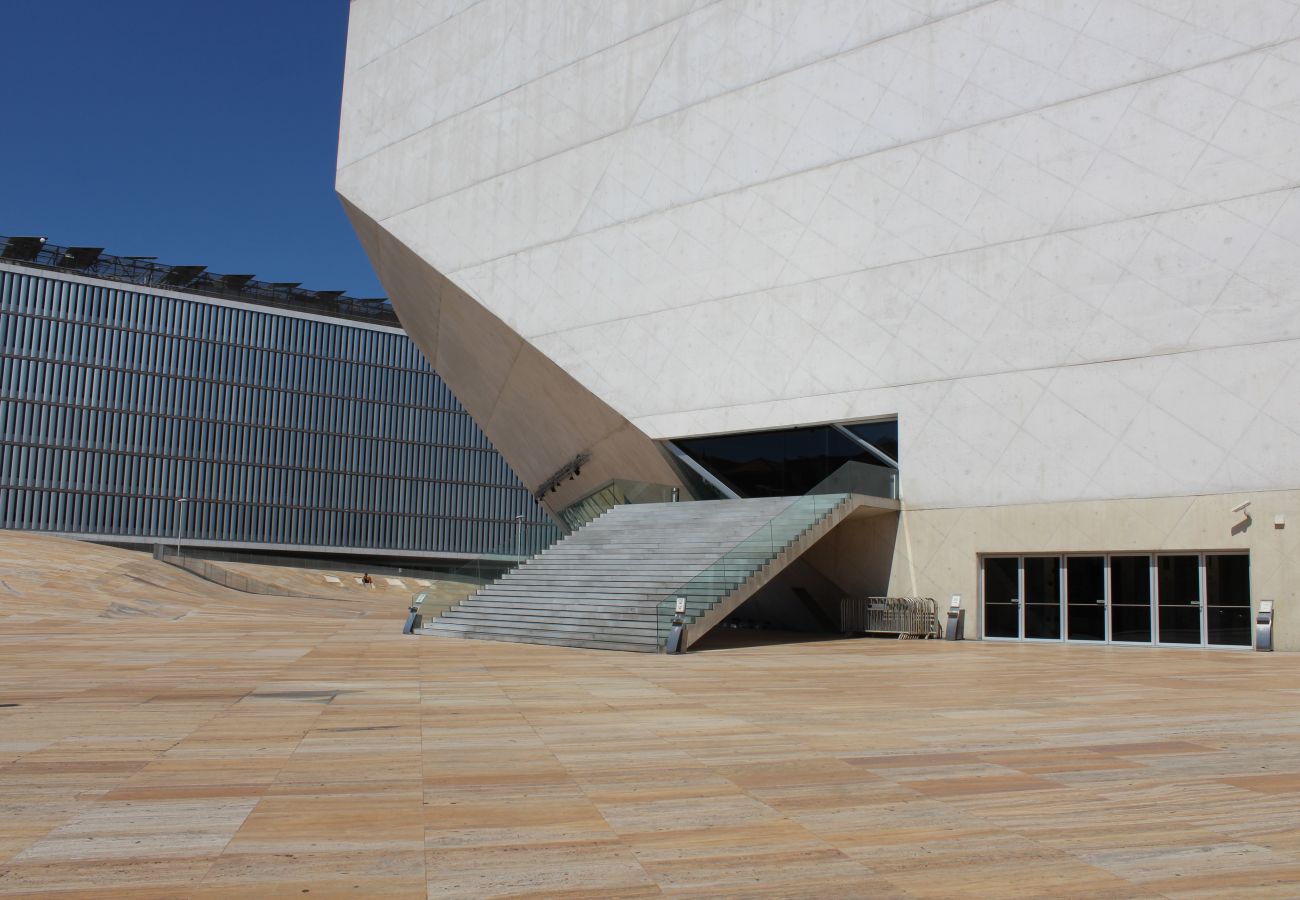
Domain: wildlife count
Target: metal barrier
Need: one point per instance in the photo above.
(904, 616)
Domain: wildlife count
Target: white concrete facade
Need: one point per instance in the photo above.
(1058, 239)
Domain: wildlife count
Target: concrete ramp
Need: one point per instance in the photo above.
(611, 585)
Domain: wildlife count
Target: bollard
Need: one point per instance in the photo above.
(1264, 626)
(413, 611)
(954, 627)
(678, 634)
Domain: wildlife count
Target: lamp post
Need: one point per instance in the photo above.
(519, 524)
(180, 515)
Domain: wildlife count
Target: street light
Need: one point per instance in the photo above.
(180, 514)
(519, 524)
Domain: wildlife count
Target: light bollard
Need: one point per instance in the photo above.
(1264, 626)
(678, 634)
(954, 626)
(413, 613)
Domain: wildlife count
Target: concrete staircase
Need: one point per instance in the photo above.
(606, 586)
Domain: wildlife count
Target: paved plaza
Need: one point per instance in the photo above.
(164, 737)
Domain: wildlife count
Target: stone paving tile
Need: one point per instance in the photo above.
(222, 745)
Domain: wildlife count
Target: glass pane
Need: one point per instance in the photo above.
(1085, 598)
(752, 465)
(1179, 598)
(1227, 597)
(881, 435)
(1001, 593)
(782, 463)
(1130, 599)
(1043, 597)
(721, 577)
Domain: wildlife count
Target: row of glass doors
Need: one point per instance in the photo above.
(1165, 598)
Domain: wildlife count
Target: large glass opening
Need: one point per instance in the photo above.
(796, 461)
(881, 435)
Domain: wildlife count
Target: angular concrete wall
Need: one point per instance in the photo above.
(534, 413)
(1058, 240)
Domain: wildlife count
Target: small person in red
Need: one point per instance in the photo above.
(366, 579)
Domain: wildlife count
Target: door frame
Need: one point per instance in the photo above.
(1065, 596)
(1106, 555)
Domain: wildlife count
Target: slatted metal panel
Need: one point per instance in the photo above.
(280, 429)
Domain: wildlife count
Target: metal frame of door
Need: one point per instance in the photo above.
(1065, 597)
(1153, 616)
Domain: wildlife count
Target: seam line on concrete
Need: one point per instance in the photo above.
(511, 90)
(633, 122)
(1037, 237)
(957, 378)
(414, 37)
(893, 147)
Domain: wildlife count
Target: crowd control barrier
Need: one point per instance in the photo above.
(906, 617)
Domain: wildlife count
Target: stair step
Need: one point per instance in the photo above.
(538, 635)
(544, 621)
(565, 601)
(596, 618)
(543, 639)
(607, 585)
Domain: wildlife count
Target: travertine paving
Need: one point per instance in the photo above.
(162, 737)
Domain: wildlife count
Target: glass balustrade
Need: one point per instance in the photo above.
(712, 585)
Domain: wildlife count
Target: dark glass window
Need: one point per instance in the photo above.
(881, 435)
(778, 463)
(1179, 599)
(1227, 599)
(1043, 597)
(1130, 599)
(1085, 598)
(1002, 597)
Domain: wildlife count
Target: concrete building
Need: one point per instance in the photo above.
(142, 403)
(1049, 250)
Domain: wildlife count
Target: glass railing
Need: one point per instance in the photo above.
(532, 538)
(707, 589)
(860, 478)
(615, 492)
(528, 540)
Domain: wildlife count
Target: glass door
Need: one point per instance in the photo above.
(1042, 597)
(1227, 599)
(1130, 599)
(1186, 599)
(1002, 597)
(1085, 598)
(1178, 593)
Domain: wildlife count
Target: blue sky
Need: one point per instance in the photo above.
(200, 133)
